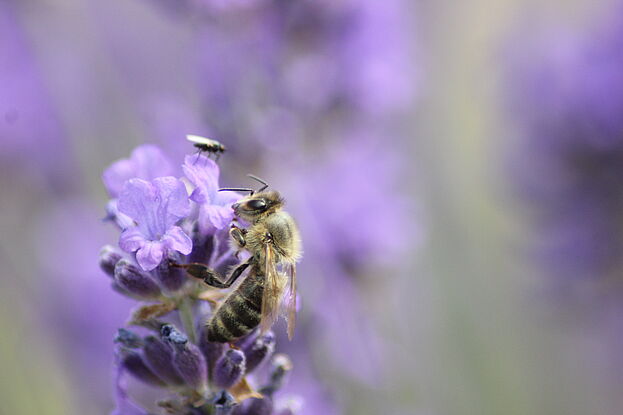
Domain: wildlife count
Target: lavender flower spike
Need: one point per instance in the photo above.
(156, 207)
(198, 377)
(215, 207)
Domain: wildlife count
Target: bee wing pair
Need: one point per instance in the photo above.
(273, 294)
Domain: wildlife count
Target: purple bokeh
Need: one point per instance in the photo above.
(566, 94)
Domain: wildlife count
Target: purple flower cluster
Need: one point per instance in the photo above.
(568, 98)
(163, 221)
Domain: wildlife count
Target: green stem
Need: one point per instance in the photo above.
(185, 309)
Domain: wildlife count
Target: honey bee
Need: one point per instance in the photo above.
(273, 241)
(207, 145)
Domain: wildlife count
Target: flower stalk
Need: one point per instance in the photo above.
(185, 309)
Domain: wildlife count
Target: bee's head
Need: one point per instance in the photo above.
(258, 205)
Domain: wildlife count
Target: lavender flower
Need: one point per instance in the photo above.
(146, 162)
(156, 207)
(201, 377)
(215, 211)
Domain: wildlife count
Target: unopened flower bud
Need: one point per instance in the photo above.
(211, 350)
(158, 356)
(170, 278)
(109, 256)
(258, 350)
(281, 366)
(187, 358)
(254, 406)
(224, 403)
(191, 365)
(134, 281)
(128, 339)
(133, 362)
(170, 334)
(229, 369)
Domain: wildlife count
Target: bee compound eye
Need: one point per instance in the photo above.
(256, 204)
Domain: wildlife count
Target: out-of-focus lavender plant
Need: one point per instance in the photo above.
(83, 337)
(29, 121)
(567, 96)
(170, 220)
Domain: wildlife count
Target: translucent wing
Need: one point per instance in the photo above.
(290, 304)
(199, 140)
(272, 291)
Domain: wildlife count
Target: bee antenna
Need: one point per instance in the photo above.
(259, 180)
(236, 189)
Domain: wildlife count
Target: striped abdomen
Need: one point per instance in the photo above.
(240, 312)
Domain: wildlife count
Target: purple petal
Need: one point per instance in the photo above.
(155, 206)
(215, 217)
(176, 239)
(151, 162)
(131, 239)
(173, 200)
(150, 255)
(146, 162)
(135, 198)
(227, 198)
(115, 176)
(112, 213)
(204, 174)
(199, 196)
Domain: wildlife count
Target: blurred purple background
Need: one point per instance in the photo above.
(455, 170)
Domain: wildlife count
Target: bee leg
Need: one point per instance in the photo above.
(238, 236)
(211, 276)
(203, 272)
(237, 272)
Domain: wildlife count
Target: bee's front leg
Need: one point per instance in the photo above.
(211, 276)
(238, 236)
(203, 272)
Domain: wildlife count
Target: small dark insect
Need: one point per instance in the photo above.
(273, 241)
(206, 145)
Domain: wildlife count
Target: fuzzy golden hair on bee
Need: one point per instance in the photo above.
(271, 238)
